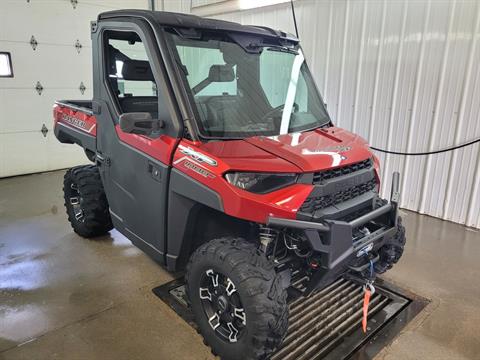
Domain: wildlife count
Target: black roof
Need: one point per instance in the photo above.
(192, 21)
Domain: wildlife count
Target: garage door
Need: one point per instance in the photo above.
(50, 50)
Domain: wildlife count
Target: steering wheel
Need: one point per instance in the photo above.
(276, 119)
(278, 108)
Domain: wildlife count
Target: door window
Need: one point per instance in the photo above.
(129, 73)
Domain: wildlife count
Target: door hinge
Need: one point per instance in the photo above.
(96, 108)
(103, 160)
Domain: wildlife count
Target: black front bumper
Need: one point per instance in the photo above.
(334, 240)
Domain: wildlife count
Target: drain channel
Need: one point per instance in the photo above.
(326, 325)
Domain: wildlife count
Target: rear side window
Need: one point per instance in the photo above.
(129, 73)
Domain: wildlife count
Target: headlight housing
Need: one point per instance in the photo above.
(260, 183)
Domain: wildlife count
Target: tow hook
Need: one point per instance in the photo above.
(365, 274)
(368, 291)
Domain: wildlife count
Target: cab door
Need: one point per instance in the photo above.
(135, 169)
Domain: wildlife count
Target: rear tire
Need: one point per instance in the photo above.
(237, 264)
(86, 202)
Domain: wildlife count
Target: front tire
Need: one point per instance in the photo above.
(86, 202)
(392, 251)
(237, 299)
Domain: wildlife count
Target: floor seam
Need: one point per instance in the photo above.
(84, 319)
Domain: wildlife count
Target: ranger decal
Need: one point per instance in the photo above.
(199, 170)
(195, 155)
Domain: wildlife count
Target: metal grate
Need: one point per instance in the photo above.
(316, 323)
(326, 325)
(321, 176)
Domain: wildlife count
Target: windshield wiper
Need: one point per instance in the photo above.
(321, 126)
(283, 49)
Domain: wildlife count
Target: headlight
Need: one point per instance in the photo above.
(260, 183)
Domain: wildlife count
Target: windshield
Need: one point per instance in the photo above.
(239, 94)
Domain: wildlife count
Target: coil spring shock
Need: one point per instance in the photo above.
(266, 235)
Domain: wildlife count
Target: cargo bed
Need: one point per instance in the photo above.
(74, 123)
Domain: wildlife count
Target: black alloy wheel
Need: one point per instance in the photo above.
(222, 305)
(76, 201)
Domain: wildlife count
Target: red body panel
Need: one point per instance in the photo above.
(300, 152)
(75, 119)
(208, 169)
(316, 150)
(243, 156)
(160, 148)
(208, 162)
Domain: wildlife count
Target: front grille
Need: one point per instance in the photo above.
(320, 202)
(321, 176)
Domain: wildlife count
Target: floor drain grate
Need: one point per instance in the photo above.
(326, 325)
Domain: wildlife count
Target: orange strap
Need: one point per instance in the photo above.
(366, 301)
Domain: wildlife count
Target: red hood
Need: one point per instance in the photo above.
(299, 152)
(242, 156)
(316, 150)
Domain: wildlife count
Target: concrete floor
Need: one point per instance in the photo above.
(64, 297)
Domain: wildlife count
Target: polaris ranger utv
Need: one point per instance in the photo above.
(213, 152)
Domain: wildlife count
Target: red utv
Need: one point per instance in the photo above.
(213, 152)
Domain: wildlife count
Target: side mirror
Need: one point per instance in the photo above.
(140, 123)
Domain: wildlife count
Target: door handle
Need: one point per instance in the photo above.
(155, 171)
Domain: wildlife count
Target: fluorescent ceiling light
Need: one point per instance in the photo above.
(252, 4)
(5, 65)
(215, 7)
